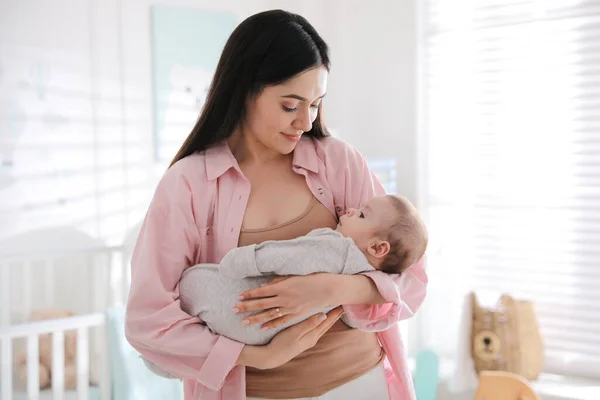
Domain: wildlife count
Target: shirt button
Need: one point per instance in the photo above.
(231, 230)
(240, 197)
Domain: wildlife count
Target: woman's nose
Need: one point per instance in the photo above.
(302, 122)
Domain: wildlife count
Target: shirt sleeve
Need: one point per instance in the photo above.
(155, 325)
(404, 293)
(316, 252)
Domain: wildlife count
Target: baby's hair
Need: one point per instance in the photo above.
(407, 236)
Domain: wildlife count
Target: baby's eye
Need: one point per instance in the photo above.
(361, 215)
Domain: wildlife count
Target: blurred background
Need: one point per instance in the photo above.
(484, 113)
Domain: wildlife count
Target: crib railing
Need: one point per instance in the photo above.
(85, 280)
(31, 332)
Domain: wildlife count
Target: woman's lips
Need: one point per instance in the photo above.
(292, 138)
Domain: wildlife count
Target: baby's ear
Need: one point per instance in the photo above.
(379, 248)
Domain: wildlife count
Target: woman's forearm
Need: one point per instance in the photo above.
(355, 289)
(253, 356)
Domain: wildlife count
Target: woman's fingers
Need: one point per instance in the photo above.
(265, 316)
(255, 305)
(318, 324)
(276, 323)
(331, 319)
(263, 291)
(308, 325)
(333, 316)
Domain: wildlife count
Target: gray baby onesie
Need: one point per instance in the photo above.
(210, 291)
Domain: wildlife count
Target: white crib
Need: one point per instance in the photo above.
(57, 327)
(59, 268)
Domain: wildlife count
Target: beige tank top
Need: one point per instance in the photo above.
(341, 355)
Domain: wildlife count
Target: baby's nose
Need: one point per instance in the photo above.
(350, 211)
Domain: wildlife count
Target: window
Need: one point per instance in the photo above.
(511, 127)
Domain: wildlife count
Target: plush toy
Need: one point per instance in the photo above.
(45, 352)
(507, 338)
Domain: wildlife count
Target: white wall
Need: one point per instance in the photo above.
(371, 97)
(96, 170)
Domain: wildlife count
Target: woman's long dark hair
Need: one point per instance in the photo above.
(266, 49)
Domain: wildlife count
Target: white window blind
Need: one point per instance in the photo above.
(511, 121)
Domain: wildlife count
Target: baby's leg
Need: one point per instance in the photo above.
(156, 369)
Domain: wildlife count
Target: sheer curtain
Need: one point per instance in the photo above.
(511, 126)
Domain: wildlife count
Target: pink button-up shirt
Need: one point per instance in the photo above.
(195, 217)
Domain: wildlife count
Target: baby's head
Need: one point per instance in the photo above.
(388, 230)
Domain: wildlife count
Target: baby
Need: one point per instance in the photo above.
(386, 234)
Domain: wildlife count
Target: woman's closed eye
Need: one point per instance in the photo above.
(361, 214)
(288, 109)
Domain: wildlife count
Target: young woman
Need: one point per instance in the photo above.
(259, 165)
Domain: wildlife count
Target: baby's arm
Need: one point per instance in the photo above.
(322, 250)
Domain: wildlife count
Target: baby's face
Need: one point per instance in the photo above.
(364, 224)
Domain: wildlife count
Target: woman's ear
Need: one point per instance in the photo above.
(378, 248)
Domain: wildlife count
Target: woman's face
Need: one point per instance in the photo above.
(280, 114)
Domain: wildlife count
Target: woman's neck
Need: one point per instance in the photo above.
(249, 151)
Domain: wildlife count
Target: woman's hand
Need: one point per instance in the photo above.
(290, 342)
(286, 298)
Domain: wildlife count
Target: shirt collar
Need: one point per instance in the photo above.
(305, 155)
(219, 159)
